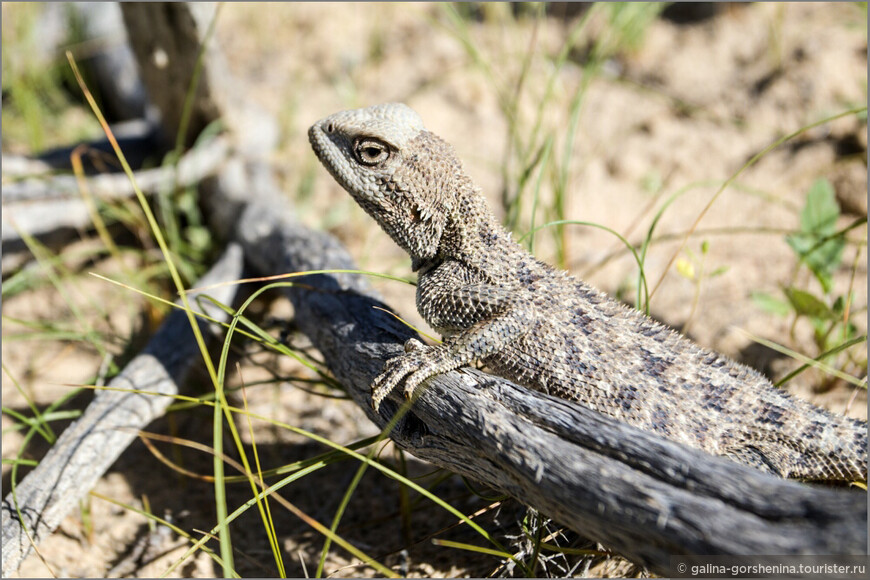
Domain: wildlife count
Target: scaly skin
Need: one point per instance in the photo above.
(494, 302)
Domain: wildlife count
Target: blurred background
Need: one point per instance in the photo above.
(608, 118)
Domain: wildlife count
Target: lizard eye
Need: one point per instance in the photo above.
(370, 151)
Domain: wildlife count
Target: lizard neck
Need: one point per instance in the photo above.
(473, 232)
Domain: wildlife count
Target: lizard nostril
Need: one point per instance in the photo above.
(330, 128)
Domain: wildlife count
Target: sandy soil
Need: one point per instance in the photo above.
(683, 110)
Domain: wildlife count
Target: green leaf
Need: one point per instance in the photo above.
(820, 214)
(652, 182)
(822, 260)
(818, 222)
(808, 305)
(771, 304)
(851, 330)
(839, 306)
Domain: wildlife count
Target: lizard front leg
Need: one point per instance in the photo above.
(509, 319)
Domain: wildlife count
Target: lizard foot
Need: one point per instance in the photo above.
(415, 366)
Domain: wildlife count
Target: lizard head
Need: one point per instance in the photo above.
(402, 175)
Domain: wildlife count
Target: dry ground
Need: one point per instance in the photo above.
(683, 109)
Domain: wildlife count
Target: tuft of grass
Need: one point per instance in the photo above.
(39, 112)
(536, 163)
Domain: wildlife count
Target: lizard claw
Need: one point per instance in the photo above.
(415, 366)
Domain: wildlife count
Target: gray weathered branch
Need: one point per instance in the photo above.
(192, 167)
(43, 204)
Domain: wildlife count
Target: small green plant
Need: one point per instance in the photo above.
(819, 246)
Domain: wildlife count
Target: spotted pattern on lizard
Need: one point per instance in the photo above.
(495, 303)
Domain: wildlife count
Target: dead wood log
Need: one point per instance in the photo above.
(637, 493)
(29, 200)
(166, 39)
(51, 208)
(86, 449)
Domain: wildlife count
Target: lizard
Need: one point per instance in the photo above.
(495, 303)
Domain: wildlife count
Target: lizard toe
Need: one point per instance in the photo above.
(395, 370)
(412, 385)
(414, 345)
